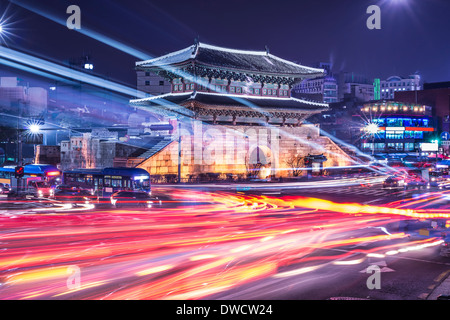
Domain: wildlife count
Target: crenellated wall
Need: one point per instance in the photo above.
(237, 151)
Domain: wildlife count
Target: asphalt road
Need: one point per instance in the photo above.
(227, 243)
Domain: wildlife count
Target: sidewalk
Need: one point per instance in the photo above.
(441, 289)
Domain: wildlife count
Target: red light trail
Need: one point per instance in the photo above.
(210, 243)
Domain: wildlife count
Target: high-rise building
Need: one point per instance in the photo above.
(324, 89)
(395, 84)
(355, 87)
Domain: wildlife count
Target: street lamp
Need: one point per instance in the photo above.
(34, 128)
(372, 129)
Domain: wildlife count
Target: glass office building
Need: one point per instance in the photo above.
(399, 127)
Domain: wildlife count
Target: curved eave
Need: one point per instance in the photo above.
(175, 67)
(174, 100)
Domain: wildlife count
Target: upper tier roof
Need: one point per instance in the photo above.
(261, 62)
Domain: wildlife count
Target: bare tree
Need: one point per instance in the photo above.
(296, 163)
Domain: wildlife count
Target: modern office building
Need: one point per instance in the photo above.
(324, 89)
(397, 84)
(392, 127)
(355, 87)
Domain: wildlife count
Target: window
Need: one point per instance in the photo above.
(264, 92)
(409, 134)
(394, 135)
(147, 74)
(116, 183)
(238, 89)
(407, 122)
(161, 83)
(232, 89)
(418, 134)
(257, 91)
(409, 146)
(147, 83)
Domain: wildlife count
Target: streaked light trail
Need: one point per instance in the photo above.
(193, 250)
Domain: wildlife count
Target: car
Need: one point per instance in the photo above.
(394, 182)
(4, 188)
(445, 247)
(74, 194)
(417, 182)
(131, 199)
(40, 189)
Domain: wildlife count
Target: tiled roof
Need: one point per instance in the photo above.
(231, 59)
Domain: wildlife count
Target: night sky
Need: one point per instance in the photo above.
(414, 34)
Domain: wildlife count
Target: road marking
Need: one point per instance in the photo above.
(441, 276)
(379, 263)
(377, 199)
(423, 296)
(384, 269)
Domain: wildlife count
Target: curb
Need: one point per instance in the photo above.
(443, 288)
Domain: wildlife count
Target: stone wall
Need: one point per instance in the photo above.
(238, 151)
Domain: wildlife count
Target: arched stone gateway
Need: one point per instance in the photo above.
(260, 162)
(237, 116)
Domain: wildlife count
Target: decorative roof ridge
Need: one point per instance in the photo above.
(161, 96)
(152, 61)
(258, 53)
(213, 47)
(195, 49)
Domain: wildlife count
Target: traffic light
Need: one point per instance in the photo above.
(19, 172)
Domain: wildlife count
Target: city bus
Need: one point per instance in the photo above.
(38, 179)
(45, 172)
(102, 183)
